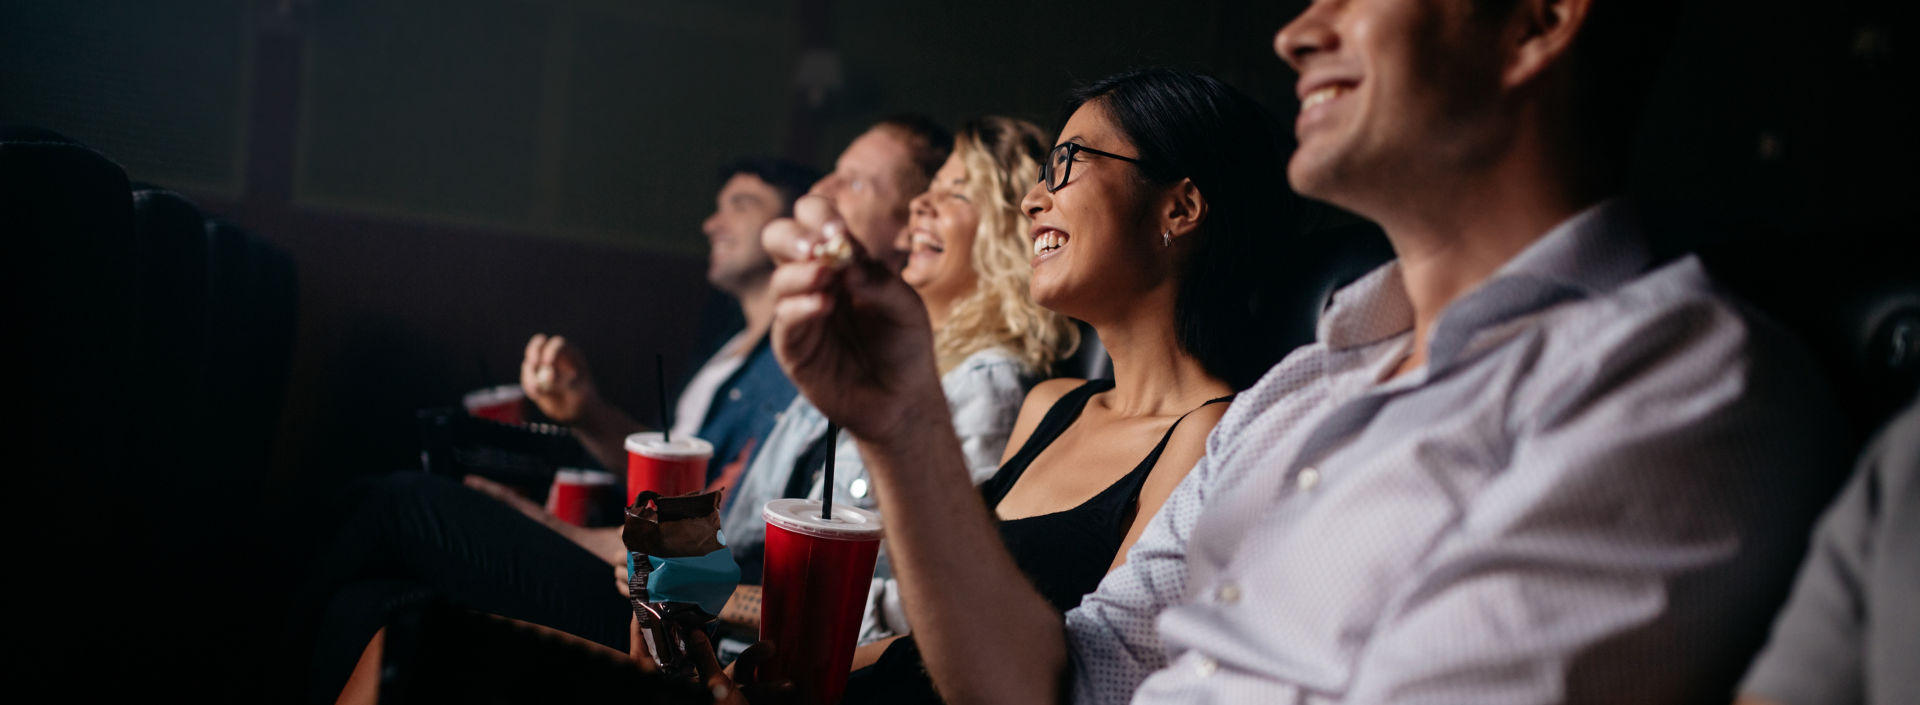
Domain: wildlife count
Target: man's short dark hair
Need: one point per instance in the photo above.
(928, 143)
(790, 178)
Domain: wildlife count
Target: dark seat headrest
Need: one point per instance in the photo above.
(1324, 260)
(1849, 296)
(25, 133)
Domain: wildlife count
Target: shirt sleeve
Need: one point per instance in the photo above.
(1112, 637)
(1638, 538)
(984, 397)
(1814, 654)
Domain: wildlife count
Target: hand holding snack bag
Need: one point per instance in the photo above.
(679, 573)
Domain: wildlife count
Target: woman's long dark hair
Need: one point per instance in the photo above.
(1188, 125)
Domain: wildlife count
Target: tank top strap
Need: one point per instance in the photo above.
(1058, 418)
(1128, 488)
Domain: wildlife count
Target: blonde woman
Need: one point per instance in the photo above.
(968, 262)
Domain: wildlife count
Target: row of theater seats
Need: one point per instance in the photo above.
(155, 344)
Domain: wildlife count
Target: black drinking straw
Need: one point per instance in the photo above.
(660, 386)
(826, 481)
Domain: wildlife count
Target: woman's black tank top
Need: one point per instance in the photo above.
(1064, 554)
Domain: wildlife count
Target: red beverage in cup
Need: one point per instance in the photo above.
(505, 404)
(669, 468)
(817, 574)
(583, 497)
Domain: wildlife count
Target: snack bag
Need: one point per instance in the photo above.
(679, 571)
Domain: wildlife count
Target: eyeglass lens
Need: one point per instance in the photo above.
(1059, 164)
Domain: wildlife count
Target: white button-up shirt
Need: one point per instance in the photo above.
(1594, 490)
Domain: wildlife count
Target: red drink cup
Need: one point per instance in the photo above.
(505, 404)
(669, 468)
(817, 574)
(582, 497)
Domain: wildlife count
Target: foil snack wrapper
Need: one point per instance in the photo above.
(679, 571)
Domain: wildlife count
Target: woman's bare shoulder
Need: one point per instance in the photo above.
(1046, 393)
(1188, 443)
(1039, 399)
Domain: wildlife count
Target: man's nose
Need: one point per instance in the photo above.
(827, 186)
(1308, 34)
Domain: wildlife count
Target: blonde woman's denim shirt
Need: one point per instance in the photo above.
(984, 393)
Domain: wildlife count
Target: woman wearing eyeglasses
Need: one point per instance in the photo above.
(1155, 212)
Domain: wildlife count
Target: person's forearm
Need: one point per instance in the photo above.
(744, 607)
(603, 429)
(986, 635)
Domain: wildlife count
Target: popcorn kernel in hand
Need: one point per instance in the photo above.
(835, 250)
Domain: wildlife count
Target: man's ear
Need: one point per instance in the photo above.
(1185, 208)
(1543, 32)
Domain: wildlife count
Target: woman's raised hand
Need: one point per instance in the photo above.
(850, 334)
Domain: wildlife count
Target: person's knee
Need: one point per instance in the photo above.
(353, 614)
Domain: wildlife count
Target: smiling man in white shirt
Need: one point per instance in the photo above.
(1524, 463)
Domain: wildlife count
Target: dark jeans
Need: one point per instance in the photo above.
(413, 536)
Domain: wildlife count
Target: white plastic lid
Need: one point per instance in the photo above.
(651, 444)
(579, 476)
(493, 395)
(802, 516)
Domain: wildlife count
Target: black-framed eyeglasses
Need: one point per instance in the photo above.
(1059, 163)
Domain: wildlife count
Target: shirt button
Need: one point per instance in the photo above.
(1308, 479)
(733, 395)
(1228, 593)
(1205, 666)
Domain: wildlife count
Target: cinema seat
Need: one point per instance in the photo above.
(250, 318)
(1851, 299)
(68, 226)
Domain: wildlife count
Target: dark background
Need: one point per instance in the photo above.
(451, 176)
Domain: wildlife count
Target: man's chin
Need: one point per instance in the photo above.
(737, 280)
(1302, 176)
(1314, 178)
(896, 264)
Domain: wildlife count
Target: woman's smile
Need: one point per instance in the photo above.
(926, 245)
(1047, 241)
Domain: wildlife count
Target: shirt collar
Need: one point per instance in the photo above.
(1592, 252)
(1371, 309)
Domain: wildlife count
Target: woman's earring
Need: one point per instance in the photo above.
(1166, 237)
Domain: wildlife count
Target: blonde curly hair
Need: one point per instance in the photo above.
(1002, 156)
